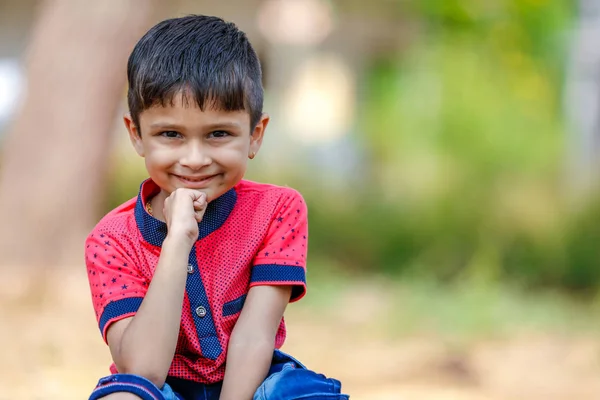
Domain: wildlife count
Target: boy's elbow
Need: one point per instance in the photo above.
(140, 363)
(145, 371)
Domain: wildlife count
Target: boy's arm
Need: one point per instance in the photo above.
(277, 278)
(145, 344)
(252, 341)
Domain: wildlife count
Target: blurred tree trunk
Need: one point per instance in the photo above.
(583, 102)
(54, 159)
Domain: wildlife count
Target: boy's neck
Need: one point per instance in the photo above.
(157, 203)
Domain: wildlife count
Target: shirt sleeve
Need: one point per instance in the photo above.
(281, 259)
(116, 284)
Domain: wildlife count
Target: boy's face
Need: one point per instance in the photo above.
(185, 147)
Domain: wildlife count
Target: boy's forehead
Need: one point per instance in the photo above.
(183, 111)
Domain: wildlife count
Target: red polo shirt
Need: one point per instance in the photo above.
(255, 234)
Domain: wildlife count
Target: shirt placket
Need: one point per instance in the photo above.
(200, 310)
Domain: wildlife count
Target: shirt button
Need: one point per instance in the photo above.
(190, 269)
(200, 311)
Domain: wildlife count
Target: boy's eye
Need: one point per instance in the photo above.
(170, 134)
(218, 134)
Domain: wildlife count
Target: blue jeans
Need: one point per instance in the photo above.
(287, 379)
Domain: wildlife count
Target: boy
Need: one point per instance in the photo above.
(191, 278)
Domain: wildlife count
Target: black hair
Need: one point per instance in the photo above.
(208, 60)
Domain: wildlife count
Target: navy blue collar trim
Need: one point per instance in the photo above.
(155, 231)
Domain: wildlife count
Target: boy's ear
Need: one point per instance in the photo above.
(257, 135)
(134, 134)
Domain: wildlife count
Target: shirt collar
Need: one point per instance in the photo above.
(155, 231)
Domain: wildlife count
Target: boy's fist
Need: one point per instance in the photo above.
(183, 210)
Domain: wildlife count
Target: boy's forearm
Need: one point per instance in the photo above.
(149, 341)
(248, 364)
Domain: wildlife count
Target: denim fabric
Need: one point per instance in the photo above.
(137, 385)
(288, 379)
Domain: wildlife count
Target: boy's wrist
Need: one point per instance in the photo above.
(177, 242)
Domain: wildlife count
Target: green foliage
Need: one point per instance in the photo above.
(465, 136)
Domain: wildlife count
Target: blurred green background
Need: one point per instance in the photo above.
(461, 174)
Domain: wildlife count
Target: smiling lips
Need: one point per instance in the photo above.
(195, 182)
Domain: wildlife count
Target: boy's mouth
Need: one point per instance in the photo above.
(195, 181)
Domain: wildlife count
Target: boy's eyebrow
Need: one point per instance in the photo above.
(164, 125)
(216, 125)
(221, 125)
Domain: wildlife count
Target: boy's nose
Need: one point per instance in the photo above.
(195, 158)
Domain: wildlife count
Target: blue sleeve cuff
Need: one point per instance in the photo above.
(117, 308)
(278, 274)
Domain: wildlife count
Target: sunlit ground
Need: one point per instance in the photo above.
(382, 339)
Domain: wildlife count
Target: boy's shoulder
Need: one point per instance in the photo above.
(252, 189)
(266, 201)
(120, 219)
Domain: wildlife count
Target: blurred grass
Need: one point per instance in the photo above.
(459, 313)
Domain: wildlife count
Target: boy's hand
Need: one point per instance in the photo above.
(183, 210)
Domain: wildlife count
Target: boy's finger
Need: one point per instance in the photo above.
(196, 194)
(199, 205)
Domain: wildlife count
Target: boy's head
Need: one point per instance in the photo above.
(195, 101)
(207, 59)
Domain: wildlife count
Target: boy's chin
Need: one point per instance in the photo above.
(210, 192)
